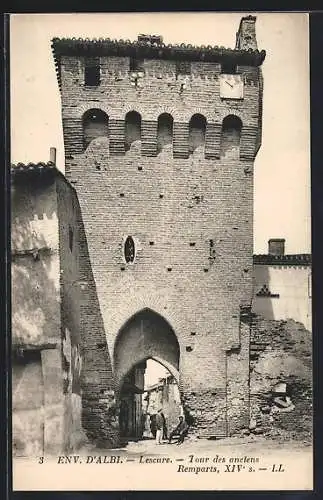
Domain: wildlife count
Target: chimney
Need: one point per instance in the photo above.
(246, 35)
(276, 246)
(52, 155)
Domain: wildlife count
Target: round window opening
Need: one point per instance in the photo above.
(129, 249)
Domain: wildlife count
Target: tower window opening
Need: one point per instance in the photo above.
(95, 124)
(212, 250)
(129, 250)
(230, 137)
(228, 68)
(183, 68)
(92, 72)
(70, 238)
(164, 131)
(136, 65)
(197, 128)
(132, 128)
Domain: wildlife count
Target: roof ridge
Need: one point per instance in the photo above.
(161, 44)
(295, 258)
(32, 164)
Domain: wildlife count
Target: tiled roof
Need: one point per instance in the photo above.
(19, 170)
(144, 49)
(303, 259)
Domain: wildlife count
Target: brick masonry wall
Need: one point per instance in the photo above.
(89, 383)
(281, 351)
(172, 205)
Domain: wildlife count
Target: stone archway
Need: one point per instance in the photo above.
(146, 335)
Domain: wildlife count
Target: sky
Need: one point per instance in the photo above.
(282, 166)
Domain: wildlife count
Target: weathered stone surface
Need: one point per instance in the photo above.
(282, 353)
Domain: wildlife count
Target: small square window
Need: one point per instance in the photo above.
(92, 72)
(183, 68)
(136, 64)
(228, 68)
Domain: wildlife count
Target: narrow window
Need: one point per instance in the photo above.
(212, 251)
(70, 238)
(92, 72)
(230, 137)
(228, 68)
(164, 131)
(136, 65)
(129, 250)
(197, 127)
(183, 68)
(132, 128)
(95, 124)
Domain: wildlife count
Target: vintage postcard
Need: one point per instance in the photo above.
(161, 260)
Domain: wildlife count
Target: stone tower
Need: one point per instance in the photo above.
(160, 142)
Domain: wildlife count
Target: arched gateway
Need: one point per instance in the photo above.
(146, 335)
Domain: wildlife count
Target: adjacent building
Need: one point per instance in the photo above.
(283, 284)
(53, 301)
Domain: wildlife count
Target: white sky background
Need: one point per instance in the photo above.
(154, 371)
(282, 167)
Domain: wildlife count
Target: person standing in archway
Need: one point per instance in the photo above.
(164, 426)
(153, 425)
(159, 426)
(123, 418)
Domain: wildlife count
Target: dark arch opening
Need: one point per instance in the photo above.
(132, 128)
(95, 124)
(230, 137)
(197, 129)
(164, 130)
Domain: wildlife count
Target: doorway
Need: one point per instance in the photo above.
(148, 387)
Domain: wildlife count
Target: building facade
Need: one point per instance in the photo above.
(53, 294)
(283, 285)
(160, 143)
(164, 394)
